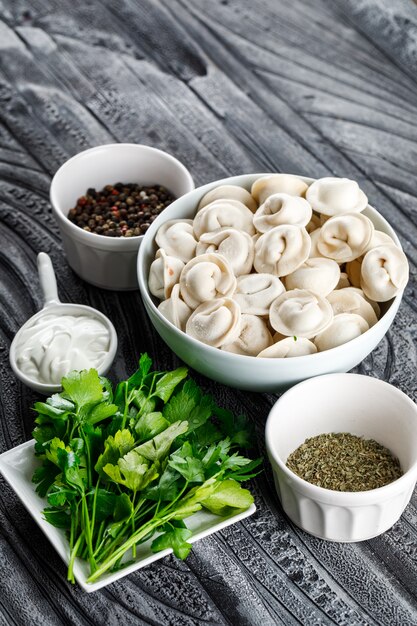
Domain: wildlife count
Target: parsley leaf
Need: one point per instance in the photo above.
(175, 538)
(226, 496)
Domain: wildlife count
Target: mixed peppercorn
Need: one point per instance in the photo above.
(120, 210)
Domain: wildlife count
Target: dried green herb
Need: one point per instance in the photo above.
(344, 462)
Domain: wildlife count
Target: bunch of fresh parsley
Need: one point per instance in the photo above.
(120, 468)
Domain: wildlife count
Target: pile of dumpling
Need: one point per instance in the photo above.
(286, 270)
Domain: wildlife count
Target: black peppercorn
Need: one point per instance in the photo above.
(120, 210)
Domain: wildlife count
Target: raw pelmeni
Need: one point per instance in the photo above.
(206, 277)
(164, 274)
(345, 237)
(215, 323)
(343, 281)
(301, 313)
(336, 196)
(314, 239)
(379, 238)
(373, 304)
(253, 338)
(317, 274)
(277, 183)
(344, 328)
(220, 213)
(228, 192)
(289, 347)
(314, 223)
(384, 272)
(234, 245)
(175, 309)
(281, 208)
(255, 292)
(177, 238)
(281, 250)
(353, 271)
(345, 301)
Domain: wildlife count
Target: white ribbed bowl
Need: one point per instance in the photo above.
(351, 403)
(247, 372)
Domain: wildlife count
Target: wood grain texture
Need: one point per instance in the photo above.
(228, 87)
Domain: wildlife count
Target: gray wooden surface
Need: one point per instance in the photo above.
(229, 87)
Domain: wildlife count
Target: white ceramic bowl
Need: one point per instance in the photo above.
(245, 372)
(359, 405)
(107, 262)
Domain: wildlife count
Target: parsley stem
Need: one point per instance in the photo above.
(139, 534)
(70, 574)
(93, 516)
(87, 532)
(126, 409)
(88, 454)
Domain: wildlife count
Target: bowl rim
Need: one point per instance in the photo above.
(61, 306)
(91, 238)
(231, 357)
(351, 498)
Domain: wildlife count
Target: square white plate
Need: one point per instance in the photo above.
(17, 466)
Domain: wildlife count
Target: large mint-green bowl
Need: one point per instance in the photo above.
(246, 372)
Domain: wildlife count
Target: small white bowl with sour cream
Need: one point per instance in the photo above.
(59, 338)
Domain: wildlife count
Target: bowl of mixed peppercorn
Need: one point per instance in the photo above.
(105, 199)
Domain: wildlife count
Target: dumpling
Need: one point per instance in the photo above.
(277, 183)
(254, 337)
(255, 292)
(175, 309)
(281, 208)
(235, 245)
(289, 347)
(343, 281)
(164, 273)
(336, 196)
(384, 272)
(345, 301)
(319, 275)
(373, 304)
(219, 213)
(206, 277)
(177, 238)
(300, 313)
(314, 223)
(344, 328)
(345, 237)
(281, 250)
(229, 192)
(353, 268)
(215, 323)
(314, 239)
(379, 238)
(353, 271)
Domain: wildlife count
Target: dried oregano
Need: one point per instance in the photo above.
(344, 462)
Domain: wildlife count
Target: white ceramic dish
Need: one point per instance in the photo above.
(359, 405)
(53, 306)
(107, 262)
(244, 372)
(17, 466)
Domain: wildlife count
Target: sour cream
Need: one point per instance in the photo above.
(56, 344)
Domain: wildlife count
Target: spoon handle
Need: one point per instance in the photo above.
(47, 279)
